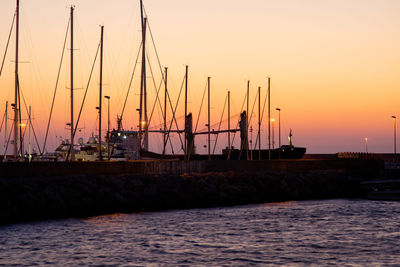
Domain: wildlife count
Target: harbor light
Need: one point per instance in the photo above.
(279, 121)
(273, 133)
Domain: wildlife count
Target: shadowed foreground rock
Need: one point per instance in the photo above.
(40, 198)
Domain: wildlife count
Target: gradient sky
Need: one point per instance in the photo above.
(334, 65)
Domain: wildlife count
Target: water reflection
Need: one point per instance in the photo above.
(324, 232)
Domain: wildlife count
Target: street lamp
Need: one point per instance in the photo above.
(279, 122)
(394, 134)
(108, 127)
(366, 144)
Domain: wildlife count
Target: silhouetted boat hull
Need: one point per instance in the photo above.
(285, 152)
(382, 189)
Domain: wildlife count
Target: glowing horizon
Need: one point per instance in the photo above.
(334, 66)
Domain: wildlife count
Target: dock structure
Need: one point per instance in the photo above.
(178, 167)
(46, 190)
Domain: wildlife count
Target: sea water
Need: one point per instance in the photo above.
(321, 233)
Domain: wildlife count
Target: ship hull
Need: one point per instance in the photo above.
(278, 153)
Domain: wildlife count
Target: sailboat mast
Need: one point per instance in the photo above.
(29, 134)
(229, 125)
(165, 110)
(247, 120)
(101, 90)
(259, 123)
(186, 89)
(72, 84)
(146, 126)
(269, 119)
(143, 90)
(21, 136)
(16, 117)
(5, 131)
(208, 124)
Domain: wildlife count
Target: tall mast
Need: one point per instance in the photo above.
(16, 111)
(165, 109)
(29, 134)
(21, 136)
(247, 119)
(146, 126)
(394, 136)
(229, 125)
(208, 124)
(269, 119)
(108, 127)
(186, 88)
(5, 131)
(259, 123)
(72, 84)
(143, 90)
(101, 90)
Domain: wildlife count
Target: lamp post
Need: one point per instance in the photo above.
(279, 123)
(108, 127)
(366, 144)
(394, 134)
(273, 133)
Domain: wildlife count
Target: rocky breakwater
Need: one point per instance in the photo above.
(42, 197)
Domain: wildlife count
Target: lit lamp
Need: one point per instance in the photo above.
(366, 144)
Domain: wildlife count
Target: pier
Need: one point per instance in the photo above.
(48, 190)
(178, 167)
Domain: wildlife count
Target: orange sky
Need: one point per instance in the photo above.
(334, 65)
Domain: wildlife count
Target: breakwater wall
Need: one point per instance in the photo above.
(351, 166)
(60, 190)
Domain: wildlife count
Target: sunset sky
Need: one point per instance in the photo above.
(334, 65)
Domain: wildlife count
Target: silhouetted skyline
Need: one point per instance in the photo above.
(334, 65)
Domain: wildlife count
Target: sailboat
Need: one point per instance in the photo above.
(135, 145)
(16, 106)
(123, 144)
(119, 145)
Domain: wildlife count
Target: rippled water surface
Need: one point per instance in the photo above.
(328, 232)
